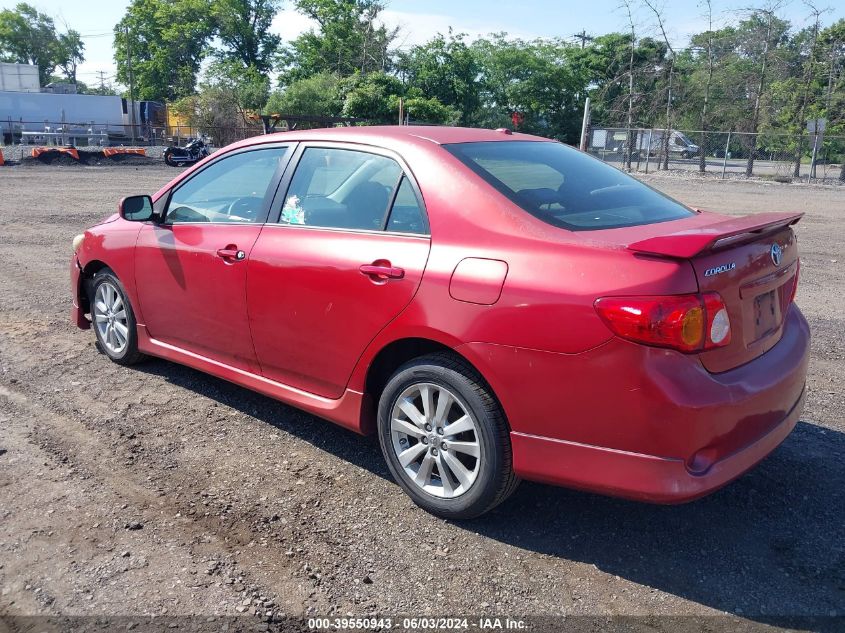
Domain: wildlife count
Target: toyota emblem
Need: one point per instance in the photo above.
(777, 254)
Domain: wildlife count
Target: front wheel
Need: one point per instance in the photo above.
(445, 439)
(114, 320)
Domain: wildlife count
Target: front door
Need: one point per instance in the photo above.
(344, 259)
(191, 268)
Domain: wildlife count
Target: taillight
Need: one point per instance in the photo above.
(689, 323)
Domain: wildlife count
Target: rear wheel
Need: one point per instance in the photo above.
(114, 321)
(444, 437)
(172, 160)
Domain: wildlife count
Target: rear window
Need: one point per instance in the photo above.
(564, 187)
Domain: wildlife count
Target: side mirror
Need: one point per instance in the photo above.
(136, 208)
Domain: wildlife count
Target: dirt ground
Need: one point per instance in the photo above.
(160, 490)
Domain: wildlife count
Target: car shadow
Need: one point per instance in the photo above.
(769, 547)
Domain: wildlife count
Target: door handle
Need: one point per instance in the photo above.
(231, 252)
(382, 271)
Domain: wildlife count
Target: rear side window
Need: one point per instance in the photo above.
(406, 215)
(564, 187)
(339, 188)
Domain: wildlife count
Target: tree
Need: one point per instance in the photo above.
(214, 111)
(348, 40)
(831, 105)
(792, 93)
(421, 109)
(373, 96)
(29, 37)
(318, 95)
(243, 27)
(759, 35)
(661, 24)
(70, 52)
(536, 79)
(248, 88)
(168, 40)
(447, 69)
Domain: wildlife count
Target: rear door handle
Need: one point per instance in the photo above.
(382, 271)
(231, 252)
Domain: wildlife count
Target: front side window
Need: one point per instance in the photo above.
(339, 188)
(565, 187)
(230, 190)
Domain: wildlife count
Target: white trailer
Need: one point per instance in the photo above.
(75, 117)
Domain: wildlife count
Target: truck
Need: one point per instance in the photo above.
(646, 142)
(680, 144)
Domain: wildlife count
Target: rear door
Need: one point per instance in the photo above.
(343, 258)
(191, 268)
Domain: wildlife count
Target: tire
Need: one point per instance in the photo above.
(170, 160)
(114, 321)
(484, 476)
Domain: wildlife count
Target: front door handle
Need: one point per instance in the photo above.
(381, 270)
(231, 252)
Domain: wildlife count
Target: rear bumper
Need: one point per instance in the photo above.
(634, 475)
(641, 422)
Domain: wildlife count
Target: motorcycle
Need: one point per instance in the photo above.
(191, 153)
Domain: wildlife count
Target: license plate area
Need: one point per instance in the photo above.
(766, 314)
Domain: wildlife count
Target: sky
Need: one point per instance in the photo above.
(419, 20)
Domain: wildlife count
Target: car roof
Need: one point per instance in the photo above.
(395, 136)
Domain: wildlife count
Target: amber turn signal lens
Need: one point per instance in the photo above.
(692, 327)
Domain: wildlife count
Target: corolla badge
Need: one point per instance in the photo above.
(777, 254)
(719, 269)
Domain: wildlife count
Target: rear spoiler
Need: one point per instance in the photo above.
(713, 237)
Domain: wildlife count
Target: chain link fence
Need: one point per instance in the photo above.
(719, 154)
(770, 156)
(18, 138)
(92, 133)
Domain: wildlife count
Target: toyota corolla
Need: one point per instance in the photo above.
(495, 306)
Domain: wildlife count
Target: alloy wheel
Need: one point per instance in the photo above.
(436, 440)
(110, 318)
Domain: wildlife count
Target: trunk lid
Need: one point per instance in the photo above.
(751, 262)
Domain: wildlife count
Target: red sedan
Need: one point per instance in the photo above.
(495, 306)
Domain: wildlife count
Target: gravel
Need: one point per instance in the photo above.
(160, 490)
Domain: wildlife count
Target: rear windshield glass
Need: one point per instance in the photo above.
(564, 187)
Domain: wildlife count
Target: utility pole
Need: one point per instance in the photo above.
(102, 74)
(628, 136)
(585, 125)
(834, 48)
(131, 83)
(583, 37)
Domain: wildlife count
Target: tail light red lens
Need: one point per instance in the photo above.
(688, 323)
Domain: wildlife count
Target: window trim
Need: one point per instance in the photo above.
(292, 165)
(261, 219)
